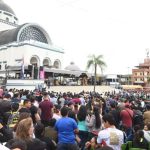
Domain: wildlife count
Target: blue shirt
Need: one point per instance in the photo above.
(65, 128)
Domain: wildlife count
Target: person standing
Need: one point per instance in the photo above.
(126, 116)
(46, 109)
(110, 136)
(66, 128)
(146, 115)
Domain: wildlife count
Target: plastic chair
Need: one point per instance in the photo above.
(129, 144)
(126, 145)
(123, 146)
(135, 149)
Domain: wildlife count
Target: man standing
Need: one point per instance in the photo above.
(126, 116)
(46, 109)
(110, 136)
(66, 128)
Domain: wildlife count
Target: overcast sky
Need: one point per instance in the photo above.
(117, 29)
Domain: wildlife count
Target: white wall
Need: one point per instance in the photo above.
(27, 51)
(31, 51)
(4, 26)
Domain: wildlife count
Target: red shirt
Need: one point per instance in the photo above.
(76, 100)
(126, 117)
(46, 108)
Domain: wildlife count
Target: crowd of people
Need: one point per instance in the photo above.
(40, 120)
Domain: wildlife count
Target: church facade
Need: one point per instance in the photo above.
(26, 46)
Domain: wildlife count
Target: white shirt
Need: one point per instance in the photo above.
(11, 94)
(147, 135)
(55, 116)
(82, 100)
(53, 100)
(2, 147)
(104, 135)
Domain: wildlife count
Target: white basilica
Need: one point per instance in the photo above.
(27, 43)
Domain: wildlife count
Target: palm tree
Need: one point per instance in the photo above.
(96, 61)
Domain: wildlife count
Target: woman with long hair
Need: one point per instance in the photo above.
(24, 131)
(94, 122)
(83, 130)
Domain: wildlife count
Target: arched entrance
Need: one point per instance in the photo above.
(46, 62)
(34, 61)
(57, 64)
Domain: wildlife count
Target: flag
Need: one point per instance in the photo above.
(22, 69)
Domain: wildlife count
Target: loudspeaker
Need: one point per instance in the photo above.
(30, 67)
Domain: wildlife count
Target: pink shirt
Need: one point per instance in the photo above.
(126, 115)
(1, 92)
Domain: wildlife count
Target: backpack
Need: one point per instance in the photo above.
(12, 119)
(138, 120)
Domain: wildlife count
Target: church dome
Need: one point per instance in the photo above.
(5, 7)
(72, 67)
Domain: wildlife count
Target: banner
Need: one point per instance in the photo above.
(42, 74)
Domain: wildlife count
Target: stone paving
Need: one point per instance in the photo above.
(78, 89)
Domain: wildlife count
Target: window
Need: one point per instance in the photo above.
(7, 19)
(141, 73)
(0, 67)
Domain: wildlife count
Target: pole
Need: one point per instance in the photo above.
(128, 76)
(32, 71)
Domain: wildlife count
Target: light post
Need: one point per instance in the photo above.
(128, 75)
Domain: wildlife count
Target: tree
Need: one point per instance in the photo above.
(96, 61)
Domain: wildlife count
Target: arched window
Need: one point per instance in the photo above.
(32, 33)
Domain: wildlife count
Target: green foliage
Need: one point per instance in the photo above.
(96, 61)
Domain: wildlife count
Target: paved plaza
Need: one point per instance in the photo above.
(78, 89)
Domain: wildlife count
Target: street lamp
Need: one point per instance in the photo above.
(128, 75)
